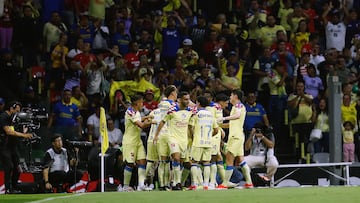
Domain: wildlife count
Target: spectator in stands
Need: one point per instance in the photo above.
(66, 118)
(255, 113)
(300, 69)
(255, 19)
(284, 11)
(300, 37)
(261, 143)
(348, 110)
(115, 134)
(335, 28)
(78, 49)
(83, 29)
(27, 35)
(80, 99)
(121, 38)
(57, 171)
(348, 142)
(313, 83)
(101, 35)
(133, 57)
(58, 63)
(149, 101)
(285, 57)
(320, 118)
(278, 95)
(261, 69)
(352, 28)
(146, 44)
(93, 125)
(295, 17)
(171, 38)
(229, 79)
(267, 34)
(315, 57)
(281, 36)
(199, 33)
(6, 25)
(187, 55)
(302, 123)
(52, 31)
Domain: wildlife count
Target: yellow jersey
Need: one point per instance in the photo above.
(204, 122)
(132, 131)
(236, 127)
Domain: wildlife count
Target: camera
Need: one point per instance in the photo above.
(31, 119)
(258, 130)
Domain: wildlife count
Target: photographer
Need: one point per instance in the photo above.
(8, 146)
(57, 173)
(261, 144)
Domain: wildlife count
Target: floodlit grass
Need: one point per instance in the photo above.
(257, 195)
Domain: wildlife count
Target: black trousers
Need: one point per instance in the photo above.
(10, 160)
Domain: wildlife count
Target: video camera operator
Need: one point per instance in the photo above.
(8, 146)
(261, 144)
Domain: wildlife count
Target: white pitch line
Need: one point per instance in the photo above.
(54, 198)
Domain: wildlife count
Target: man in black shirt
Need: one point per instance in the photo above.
(8, 146)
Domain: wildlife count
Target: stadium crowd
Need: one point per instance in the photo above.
(73, 56)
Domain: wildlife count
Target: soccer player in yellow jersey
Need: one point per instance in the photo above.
(217, 165)
(177, 121)
(152, 156)
(204, 126)
(235, 144)
(161, 139)
(133, 148)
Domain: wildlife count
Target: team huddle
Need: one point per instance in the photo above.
(187, 138)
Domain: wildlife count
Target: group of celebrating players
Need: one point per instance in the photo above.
(186, 137)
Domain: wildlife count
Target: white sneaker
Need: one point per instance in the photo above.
(231, 184)
(211, 186)
(141, 188)
(128, 189)
(119, 188)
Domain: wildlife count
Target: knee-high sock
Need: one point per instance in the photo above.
(228, 172)
(149, 169)
(200, 174)
(167, 173)
(127, 175)
(221, 169)
(206, 174)
(141, 174)
(161, 173)
(213, 171)
(177, 172)
(194, 174)
(246, 171)
(184, 175)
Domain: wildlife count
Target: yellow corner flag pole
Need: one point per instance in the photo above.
(104, 144)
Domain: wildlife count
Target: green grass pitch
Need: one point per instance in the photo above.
(256, 195)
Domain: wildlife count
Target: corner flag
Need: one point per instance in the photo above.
(103, 132)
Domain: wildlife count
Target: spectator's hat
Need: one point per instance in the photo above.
(29, 89)
(149, 91)
(2, 101)
(232, 53)
(335, 12)
(187, 42)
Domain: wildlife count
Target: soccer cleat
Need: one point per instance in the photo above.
(221, 187)
(165, 188)
(177, 187)
(192, 187)
(206, 188)
(231, 185)
(211, 186)
(248, 185)
(128, 189)
(119, 188)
